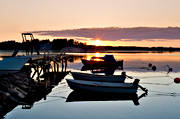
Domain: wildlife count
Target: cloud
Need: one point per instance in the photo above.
(118, 34)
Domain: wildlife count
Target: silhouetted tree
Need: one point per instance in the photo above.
(59, 43)
(71, 42)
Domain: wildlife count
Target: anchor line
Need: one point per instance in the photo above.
(161, 93)
(166, 84)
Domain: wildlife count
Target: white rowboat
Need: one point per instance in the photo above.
(103, 87)
(102, 78)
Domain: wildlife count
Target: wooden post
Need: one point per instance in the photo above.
(65, 64)
(57, 67)
(62, 65)
(54, 66)
(38, 73)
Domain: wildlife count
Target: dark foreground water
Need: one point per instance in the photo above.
(162, 101)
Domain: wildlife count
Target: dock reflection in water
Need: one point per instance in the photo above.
(76, 96)
(36, 92)
(163, 94)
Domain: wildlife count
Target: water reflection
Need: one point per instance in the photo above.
(140, 62)
(105, 70)
(36, 91)
(75, 96)
(162, 92)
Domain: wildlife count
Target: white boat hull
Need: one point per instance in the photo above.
(12, 64)
(92, 77)
(101, 87)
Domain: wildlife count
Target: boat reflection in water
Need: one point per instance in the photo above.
(76, 96)
(105, 70)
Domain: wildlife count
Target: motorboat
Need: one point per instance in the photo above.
(106, 61)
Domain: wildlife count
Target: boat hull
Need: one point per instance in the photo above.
(103, 78)
(96, 64)
(12, 64)
(101, 87)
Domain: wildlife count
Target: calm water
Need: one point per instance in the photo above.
(162, 100)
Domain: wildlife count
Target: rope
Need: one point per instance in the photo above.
(166, 84)
(153, 76)
(161, 93)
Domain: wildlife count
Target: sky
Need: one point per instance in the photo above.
(17, 16)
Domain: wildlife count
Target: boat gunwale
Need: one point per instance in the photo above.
(109, 76)
(103, 86)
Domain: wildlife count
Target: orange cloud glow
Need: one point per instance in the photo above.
(96, 42)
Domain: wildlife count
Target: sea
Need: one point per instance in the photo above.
(161, 101)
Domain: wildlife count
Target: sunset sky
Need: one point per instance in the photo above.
(17, 16)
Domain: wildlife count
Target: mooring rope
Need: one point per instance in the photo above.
(159, 93)
(166, 84)
(154, 76)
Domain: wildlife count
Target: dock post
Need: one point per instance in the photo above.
(57, 67)
(65, 64)
(54, 66)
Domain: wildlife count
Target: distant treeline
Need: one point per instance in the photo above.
(90, 48)
(58, 44)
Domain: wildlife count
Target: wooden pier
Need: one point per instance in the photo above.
(33, 82)
(46, 64)
(27, 79)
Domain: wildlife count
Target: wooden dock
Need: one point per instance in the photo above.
(29, 78)
(42, 64)
(33, 82)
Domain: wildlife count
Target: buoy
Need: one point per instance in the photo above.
(149, 65)
(154, 68)
(170, 69)
(177, 80)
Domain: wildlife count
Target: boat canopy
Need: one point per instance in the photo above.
(109, 58)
